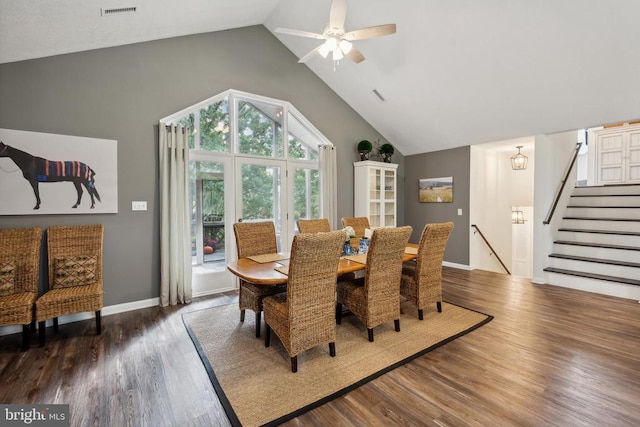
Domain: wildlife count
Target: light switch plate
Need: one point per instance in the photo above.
(459, 212)
(139, 206)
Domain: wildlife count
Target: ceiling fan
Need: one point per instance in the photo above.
(337, 41)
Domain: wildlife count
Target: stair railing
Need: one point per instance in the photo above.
(572, 162)
(493, 252)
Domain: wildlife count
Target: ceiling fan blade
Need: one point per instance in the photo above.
(355, 55)
(370, 32)
(309, 55)
(300, 33)
(338, 14)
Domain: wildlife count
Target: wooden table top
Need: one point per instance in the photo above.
(265, 273)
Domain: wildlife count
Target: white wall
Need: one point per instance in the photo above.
(495, 188)
(552, 153)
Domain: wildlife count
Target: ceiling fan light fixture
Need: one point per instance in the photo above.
(345, 46)
(331, 43)
(337, 54)
(323, 50)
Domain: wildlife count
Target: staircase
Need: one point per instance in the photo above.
(598, 244)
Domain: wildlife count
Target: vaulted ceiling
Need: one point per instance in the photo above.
(457, 72)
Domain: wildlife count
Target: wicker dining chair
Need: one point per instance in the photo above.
(303, 317)
(255, 238)
(19, 272)
(421, 281)
(375, 298)
(314, 225)
(75, 275)
(359, 224)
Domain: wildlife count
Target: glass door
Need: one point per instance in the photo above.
(211, 195)
(261, 194)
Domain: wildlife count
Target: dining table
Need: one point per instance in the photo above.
(266, 272)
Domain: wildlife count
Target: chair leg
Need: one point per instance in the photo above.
(332, 349)
(294, 364)
(55, 324)
(98, 323)
(396, 322)
(439, 305)
(267, 334)
(242, 315)
(370, 331)
(258, 320)
(338, 313)
(421, 314)
(42, 332)
(25, 337)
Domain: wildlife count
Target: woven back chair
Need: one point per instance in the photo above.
(304, 316)
(75, 275)
(255, 238)
(19, 271)
(422, 280)
(375, 298)
(314, 225)
(358, 223)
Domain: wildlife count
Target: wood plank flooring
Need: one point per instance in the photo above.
(551, 356)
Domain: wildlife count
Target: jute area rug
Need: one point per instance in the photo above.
(256, 386)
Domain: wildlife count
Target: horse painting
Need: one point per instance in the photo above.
(37, 170)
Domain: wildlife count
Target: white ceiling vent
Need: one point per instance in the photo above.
(113, 11)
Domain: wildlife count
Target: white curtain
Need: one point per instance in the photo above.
(175, 233)
(328, 184)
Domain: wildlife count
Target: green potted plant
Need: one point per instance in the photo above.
(364, 148)
(386, 151)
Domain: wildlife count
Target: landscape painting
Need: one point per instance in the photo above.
(42, 173)
(436, 190)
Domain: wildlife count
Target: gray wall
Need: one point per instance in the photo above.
(456, 163)
(120, 93)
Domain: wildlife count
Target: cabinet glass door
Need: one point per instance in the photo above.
(375, 197)
(389, 204)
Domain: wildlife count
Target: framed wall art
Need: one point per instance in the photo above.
(436, 190)
(42, 173)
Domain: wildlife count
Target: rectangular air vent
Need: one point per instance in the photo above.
(380, 97)
(107, 12)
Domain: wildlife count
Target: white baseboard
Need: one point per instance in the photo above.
(213, 291)
(456, 265)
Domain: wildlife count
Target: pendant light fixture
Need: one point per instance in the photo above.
(519, 161)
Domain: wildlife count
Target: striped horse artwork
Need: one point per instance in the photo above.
(37, 170)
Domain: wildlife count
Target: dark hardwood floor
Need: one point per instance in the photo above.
(551, 356)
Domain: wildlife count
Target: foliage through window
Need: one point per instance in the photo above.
(233, 125)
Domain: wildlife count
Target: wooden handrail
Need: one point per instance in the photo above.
(547, 220)
(493, 252)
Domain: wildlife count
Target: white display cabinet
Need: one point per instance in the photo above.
(375, 192)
